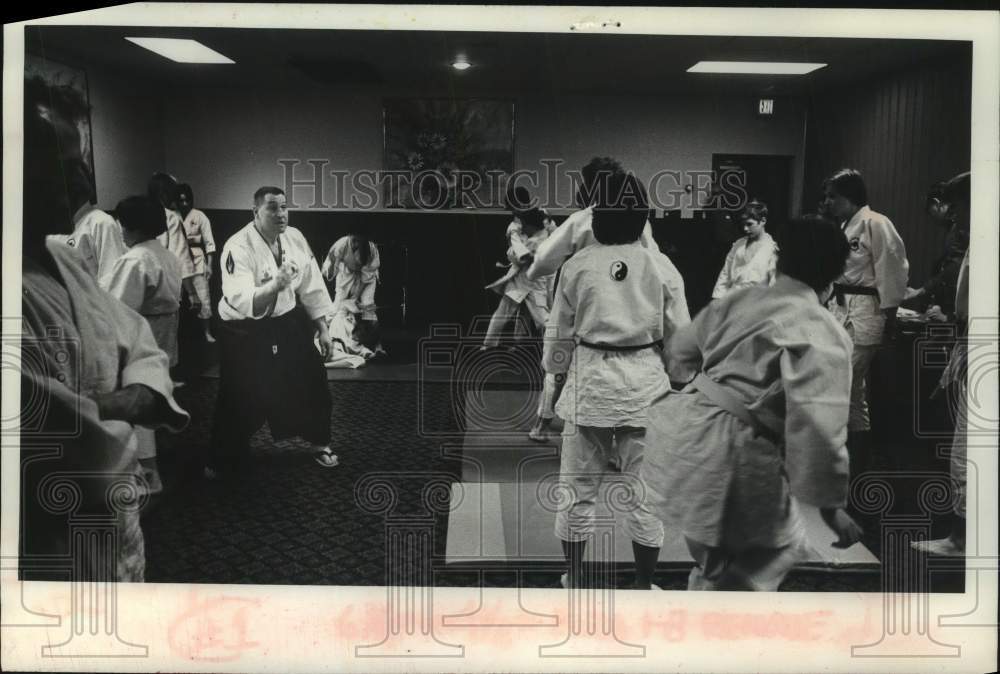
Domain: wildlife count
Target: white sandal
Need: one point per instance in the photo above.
(326, 458)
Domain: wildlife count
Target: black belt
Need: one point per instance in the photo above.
(615, 347)
(840, 290)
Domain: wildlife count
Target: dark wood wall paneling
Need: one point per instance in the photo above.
(450, 257)
(903, 132)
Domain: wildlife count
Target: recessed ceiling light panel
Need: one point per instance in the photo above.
(754, 67)
(179, 50)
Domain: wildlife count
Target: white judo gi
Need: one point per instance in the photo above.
(353, 280)
(748, 264)
(874, 279)
(175, 240)
(612, 304)
(270, 369)
(97, 237)
(515, 288)
(88, 343)
(201, 244)
(574, 234)
(733, 487)
(147, 279)
(247, 263)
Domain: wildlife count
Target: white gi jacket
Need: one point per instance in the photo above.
(787, 359)
(622, 295)
(352, 280)
(175, 240)
(877, 260)
(748, 265)
(574, 234)
(198, 230)
(92, 344)
(97, 237)
(515, 283)
(247, 264)
(147, 278)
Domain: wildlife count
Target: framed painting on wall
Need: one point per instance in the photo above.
(57, 74)
(447, 153)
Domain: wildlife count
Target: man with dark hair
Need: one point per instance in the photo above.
(96, 235)
(616, 304)
(94, 363)
(938, 292)
(575, 232)
(868, 293)
(762, 424)
(270, 368)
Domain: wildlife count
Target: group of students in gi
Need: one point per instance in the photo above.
(768, 380)
(144, 255)
(761, 412)
(97, 365)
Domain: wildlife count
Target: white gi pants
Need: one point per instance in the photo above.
(507, 311)
(586, 451)
(547, 400)
(865, 323)
(200, 284)
(352, 286)
(858, 417)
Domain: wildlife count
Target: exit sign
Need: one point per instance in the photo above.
(765, 106)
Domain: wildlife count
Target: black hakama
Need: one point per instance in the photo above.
(270, 370)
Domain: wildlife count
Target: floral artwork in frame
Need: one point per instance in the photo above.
(447, 153)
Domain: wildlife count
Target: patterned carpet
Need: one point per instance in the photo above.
(289, 521)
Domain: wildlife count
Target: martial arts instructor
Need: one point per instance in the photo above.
(273, 303)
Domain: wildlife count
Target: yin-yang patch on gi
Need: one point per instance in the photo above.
(855, 244)
(619, 270)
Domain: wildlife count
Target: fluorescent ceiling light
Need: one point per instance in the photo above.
(461, 64)
(754, 67)
(181, 51)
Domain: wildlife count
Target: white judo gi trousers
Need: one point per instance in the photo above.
(586, 451)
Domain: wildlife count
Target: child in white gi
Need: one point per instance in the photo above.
(615, 304)
(529, 228)
(147, 279)
(762, 424)
(352, 263)
(751, 261)
(198, 229)
(161, 188)
(574, 234)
